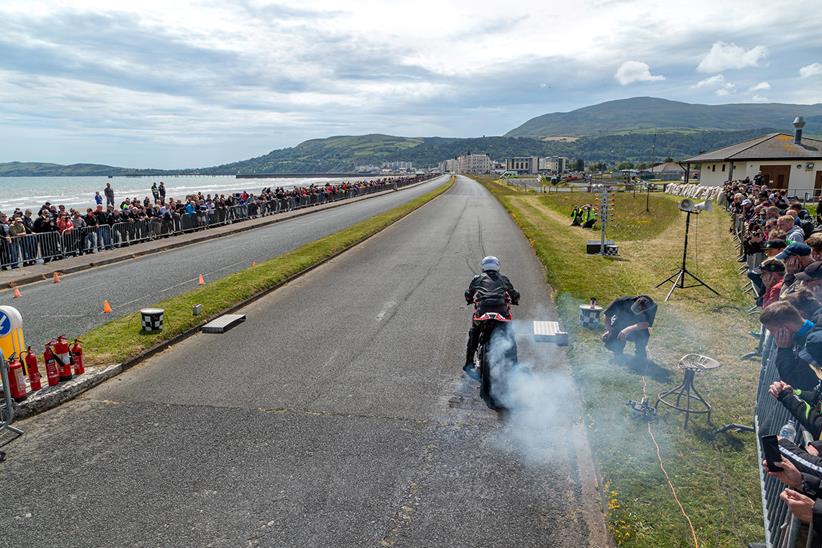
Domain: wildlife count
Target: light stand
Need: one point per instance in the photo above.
(679, 276)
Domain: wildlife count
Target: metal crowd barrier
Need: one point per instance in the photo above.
(29, 249)
(6, 409)
(782, 529)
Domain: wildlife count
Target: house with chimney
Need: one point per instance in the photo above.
(791, 162)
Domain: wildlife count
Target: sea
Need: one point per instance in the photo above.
(78, 192)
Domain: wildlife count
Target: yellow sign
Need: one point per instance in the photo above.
(11, 332)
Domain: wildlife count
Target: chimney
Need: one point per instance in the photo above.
(798, 123)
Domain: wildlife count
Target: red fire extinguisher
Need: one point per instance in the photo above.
(51, 366)
(17, 382)
(61, 354)
(77, 357)
(31, 367)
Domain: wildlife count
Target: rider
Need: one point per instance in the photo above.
(491, 292)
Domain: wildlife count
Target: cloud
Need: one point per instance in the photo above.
(717, 83)
(635, 71)
(725, 56)
(814, 69)
(761, 86)
(759, 99)
(207, 82)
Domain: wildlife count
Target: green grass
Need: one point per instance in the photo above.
(122, 339)
(630, 221)
(715, 475)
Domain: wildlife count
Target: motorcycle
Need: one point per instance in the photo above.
(495, 329)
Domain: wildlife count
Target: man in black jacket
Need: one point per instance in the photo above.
(490, 292)
(629, 319)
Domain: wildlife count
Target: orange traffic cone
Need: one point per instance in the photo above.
(56, 278)
(106, 307)
(17, 294)
(201, 281)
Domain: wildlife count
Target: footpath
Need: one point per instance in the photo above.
(36, 273)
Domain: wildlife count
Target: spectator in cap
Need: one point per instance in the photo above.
(805, 302)
(773, 274)
(811, 278)
(796, 257)
(774, 247)
(789, 330)
(629, 319)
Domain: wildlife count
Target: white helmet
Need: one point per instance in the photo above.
(490, 263)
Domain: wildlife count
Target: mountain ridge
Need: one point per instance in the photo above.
(644, 113)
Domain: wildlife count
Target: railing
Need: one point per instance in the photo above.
(29, 249)
(782, 529)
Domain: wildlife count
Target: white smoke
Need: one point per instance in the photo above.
(541, 402)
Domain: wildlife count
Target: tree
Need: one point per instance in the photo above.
(625, 165)
(579, 165)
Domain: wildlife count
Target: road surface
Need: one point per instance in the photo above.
(336, 415)
(75, 305)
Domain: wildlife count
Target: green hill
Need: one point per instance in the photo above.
(638, 113)
(41, 169)
(343, 153)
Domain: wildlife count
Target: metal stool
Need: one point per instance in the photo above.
(691, 364)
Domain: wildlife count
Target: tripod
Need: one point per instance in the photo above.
(679, 276)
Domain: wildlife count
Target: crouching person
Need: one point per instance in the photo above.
(629, 319)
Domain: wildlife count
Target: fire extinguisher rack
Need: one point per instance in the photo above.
(6, 410)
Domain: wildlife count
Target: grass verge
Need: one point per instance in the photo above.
(715, 475)
(122, 339)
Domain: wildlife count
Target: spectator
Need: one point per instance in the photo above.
(774, 247)
(815, 242)
(773, 274)
(155, 192)
(804, 301)
(162, 190)
(795, 234)
(98, 199)
(109, 192)
(789, 330)
(811, 279)
(796, 257)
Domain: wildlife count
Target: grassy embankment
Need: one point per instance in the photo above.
(121, 339)
(715, 475)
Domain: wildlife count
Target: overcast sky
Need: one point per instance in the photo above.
(188, 83)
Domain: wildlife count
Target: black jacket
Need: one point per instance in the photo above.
(491, 290)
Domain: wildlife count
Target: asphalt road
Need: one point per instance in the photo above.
(75, 305)
(336, 415)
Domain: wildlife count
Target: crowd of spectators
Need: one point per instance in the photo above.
(55, 231)
(782, 245)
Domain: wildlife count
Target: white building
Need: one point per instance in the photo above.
(474, 163)
(787, 161)
(522, 164)
(449, 166)
(547, 164)
(398, 166)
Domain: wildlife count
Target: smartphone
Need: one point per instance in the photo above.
(770, 447)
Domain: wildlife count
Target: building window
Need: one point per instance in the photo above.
(713, 167)
(723, 167)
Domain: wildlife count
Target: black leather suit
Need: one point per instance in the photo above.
(491, 292)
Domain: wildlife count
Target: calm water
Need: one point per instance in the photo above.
(32, 192)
